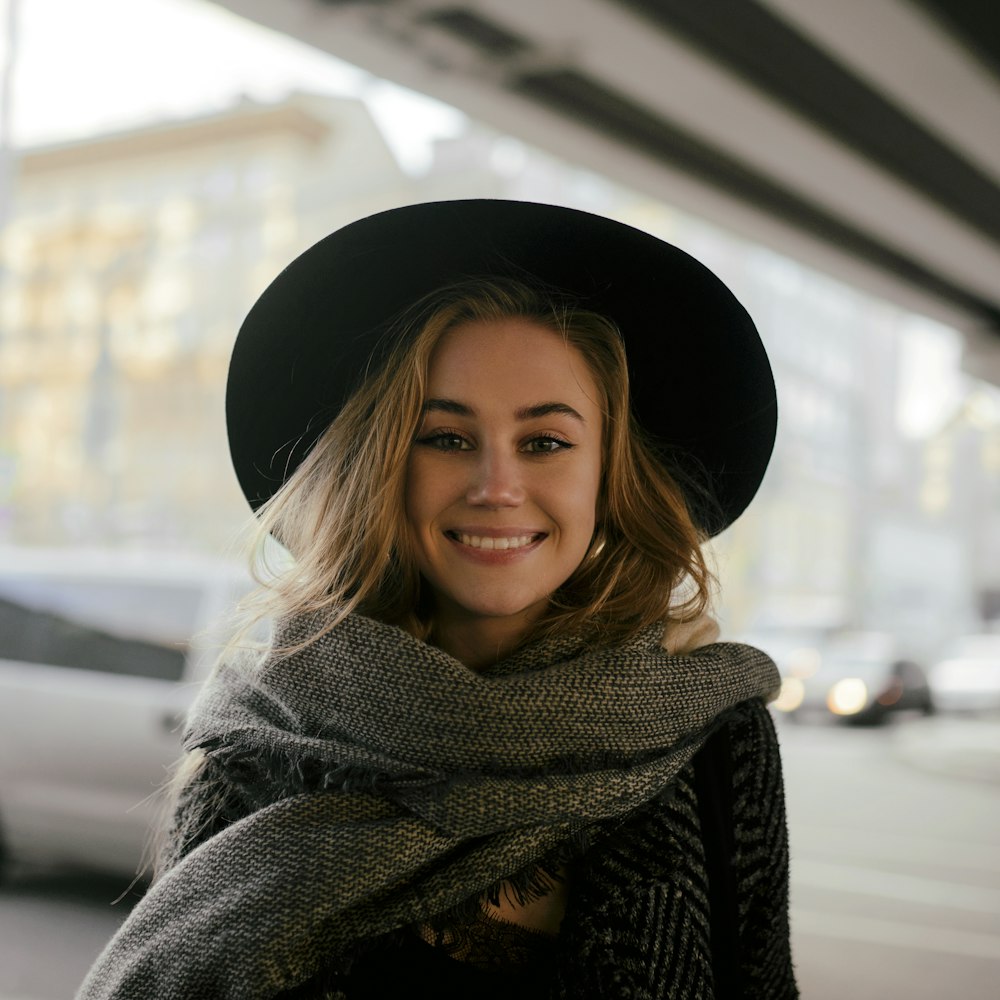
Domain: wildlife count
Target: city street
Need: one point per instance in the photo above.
(895, 867)
(896, 878)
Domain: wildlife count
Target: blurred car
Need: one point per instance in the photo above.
(853, 677)
(97, 669)
(967, 677)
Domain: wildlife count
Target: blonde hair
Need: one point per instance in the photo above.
(341, 512)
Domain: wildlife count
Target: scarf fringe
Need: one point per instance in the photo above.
(267, 773)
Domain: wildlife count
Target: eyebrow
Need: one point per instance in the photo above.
(522, 413)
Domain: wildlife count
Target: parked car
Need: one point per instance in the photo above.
(852, 677)
(101, 654)
(967, 677)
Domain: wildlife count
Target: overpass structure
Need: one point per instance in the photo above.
(862, 137)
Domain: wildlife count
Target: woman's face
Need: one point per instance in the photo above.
(503, 476)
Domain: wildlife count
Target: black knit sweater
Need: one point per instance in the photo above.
(642, 919)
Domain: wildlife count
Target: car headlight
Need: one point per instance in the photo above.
(791, 695)
(848, 696)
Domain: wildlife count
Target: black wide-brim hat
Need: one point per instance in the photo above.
(700, 380)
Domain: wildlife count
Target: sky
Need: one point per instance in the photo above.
(85, 66)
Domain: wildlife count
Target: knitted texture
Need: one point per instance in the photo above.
(637, 922)
(420, 784)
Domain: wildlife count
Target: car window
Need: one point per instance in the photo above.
(910, 673)
(115, 626)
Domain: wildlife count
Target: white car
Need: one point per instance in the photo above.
(101, 654)
(967, 677)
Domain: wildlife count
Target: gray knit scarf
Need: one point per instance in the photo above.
(419, 784)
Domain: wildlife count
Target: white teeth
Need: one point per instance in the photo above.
(482, 542)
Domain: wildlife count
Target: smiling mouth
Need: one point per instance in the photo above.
(491, 544)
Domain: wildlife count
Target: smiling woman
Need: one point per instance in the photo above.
(502, 484)
(492, 745)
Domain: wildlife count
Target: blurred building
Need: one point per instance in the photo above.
(131, 259)
(128, 263)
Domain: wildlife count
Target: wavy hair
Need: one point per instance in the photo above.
(341, 513)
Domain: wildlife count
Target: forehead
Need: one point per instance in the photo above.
(517, 360)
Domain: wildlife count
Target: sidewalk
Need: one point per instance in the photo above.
(953, 746)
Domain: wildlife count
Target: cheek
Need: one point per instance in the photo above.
(588, 512)
(422, 499)
(589, 490)
(412, 494)
(580, 504)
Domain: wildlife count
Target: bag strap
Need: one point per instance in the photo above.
(713, 778)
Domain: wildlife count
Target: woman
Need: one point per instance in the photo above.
(482, 753)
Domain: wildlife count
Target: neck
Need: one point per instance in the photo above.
(477, 643)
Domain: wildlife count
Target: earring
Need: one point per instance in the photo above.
(597, 543)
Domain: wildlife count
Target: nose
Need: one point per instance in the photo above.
(496, 481)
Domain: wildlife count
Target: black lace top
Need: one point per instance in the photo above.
(488, 958)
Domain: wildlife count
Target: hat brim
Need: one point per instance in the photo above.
(700, 380)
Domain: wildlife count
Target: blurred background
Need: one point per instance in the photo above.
(838, 165)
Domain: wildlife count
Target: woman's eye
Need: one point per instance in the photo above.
(443, 441)
(546, 445)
